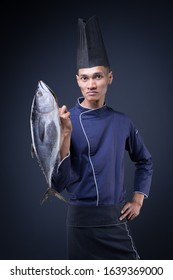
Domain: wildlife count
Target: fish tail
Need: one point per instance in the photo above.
(53, 192)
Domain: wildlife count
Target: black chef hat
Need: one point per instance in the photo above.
(91, 51)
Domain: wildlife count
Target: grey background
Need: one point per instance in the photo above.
(38, 42)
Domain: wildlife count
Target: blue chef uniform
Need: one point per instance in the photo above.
(93, 175)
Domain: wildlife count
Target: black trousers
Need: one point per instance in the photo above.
(95, 232)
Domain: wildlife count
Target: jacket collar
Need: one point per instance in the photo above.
(85, 109)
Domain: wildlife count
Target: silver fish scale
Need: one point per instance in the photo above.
(45, 128)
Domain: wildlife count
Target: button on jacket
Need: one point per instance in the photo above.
(93, 172)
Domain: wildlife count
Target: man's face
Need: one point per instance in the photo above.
(93, 83)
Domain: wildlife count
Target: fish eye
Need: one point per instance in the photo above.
(39, 93)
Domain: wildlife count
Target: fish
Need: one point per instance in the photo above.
(45, 127)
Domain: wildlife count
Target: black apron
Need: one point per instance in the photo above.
(95, 232)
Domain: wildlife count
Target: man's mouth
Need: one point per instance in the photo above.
(91, 93)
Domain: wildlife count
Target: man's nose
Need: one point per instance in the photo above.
(91, 84)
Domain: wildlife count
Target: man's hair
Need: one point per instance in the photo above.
(106, 67)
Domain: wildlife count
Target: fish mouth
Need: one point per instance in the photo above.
(42, 85)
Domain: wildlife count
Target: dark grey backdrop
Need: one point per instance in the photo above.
(39, 42)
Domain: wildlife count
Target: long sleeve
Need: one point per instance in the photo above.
(143, 161)
(61, 174)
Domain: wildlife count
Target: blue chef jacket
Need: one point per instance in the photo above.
(93, 172)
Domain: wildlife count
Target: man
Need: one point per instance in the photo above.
(94, 140)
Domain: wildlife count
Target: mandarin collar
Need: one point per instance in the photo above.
(85, 109)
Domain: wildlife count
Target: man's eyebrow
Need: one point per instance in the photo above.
(94, 74)
(83, 75)
(98, 73)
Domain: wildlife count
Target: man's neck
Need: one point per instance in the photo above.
(94, 104)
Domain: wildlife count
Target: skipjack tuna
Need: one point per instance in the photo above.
(45, 128)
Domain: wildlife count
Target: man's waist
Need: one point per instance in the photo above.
(94, 216)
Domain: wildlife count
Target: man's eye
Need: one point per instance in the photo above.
(98, 77)
(84, 79)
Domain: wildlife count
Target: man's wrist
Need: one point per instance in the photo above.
(138, 198)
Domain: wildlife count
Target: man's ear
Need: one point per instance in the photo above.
(110, 77)
(78, 80)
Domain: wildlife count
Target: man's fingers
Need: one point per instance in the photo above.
(64, 113)
(130, 211)
(125, 208)
(125, 211)
(64, 109)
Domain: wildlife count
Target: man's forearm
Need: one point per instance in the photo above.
(65, 145)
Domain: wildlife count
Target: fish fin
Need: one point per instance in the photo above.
(32, 151)
(51, 191)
